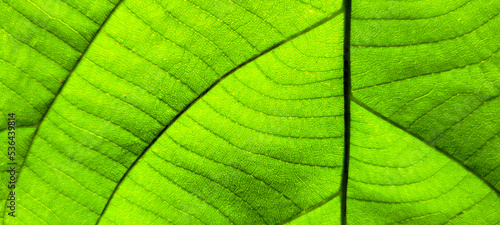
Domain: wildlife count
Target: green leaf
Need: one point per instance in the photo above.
(252, 112)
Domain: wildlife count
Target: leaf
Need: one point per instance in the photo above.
(220, 112)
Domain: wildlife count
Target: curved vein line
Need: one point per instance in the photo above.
(241, 170)
(416, 201)
(31, 213)
(422, 216)
(431, 42)
(40, 53)
(422, 18)
(133, 84)
(392, 167)
(22, 126)
(80, 12)
(462, 120)
(197, 174)
(162, 199)
(484, 145)
(165, 38)
(119, 99)
(404, 184)
(433, 73)
(258, 16)
(289, 84)
(306, 71)
(266, 133)
(60, 193)
(192, 29)
(312, 208)
(109, 121)
(271, 115)
(438, 106)
(258, 154)
(281, 99)
(32, 78)
(467, 209)
(44, 29)
(21, 97)
(70, 177)
(146, 209)
(74, 160)
(147, 60)
(53, 18)
(39, 202)
(222, 21)
(80, 143)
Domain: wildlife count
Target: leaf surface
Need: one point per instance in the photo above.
(253, 112)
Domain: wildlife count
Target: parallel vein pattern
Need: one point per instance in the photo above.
(232, 111)
(149, 61)
(256, 149)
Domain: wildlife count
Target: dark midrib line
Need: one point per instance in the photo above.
(347, 110)
(57, 94)
(319, 23)
(428, 143)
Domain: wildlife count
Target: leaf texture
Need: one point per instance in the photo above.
(274, 164)
(252, 112)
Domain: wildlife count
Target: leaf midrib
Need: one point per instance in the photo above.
(347, 110)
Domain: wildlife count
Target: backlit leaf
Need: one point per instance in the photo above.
(251, 112)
